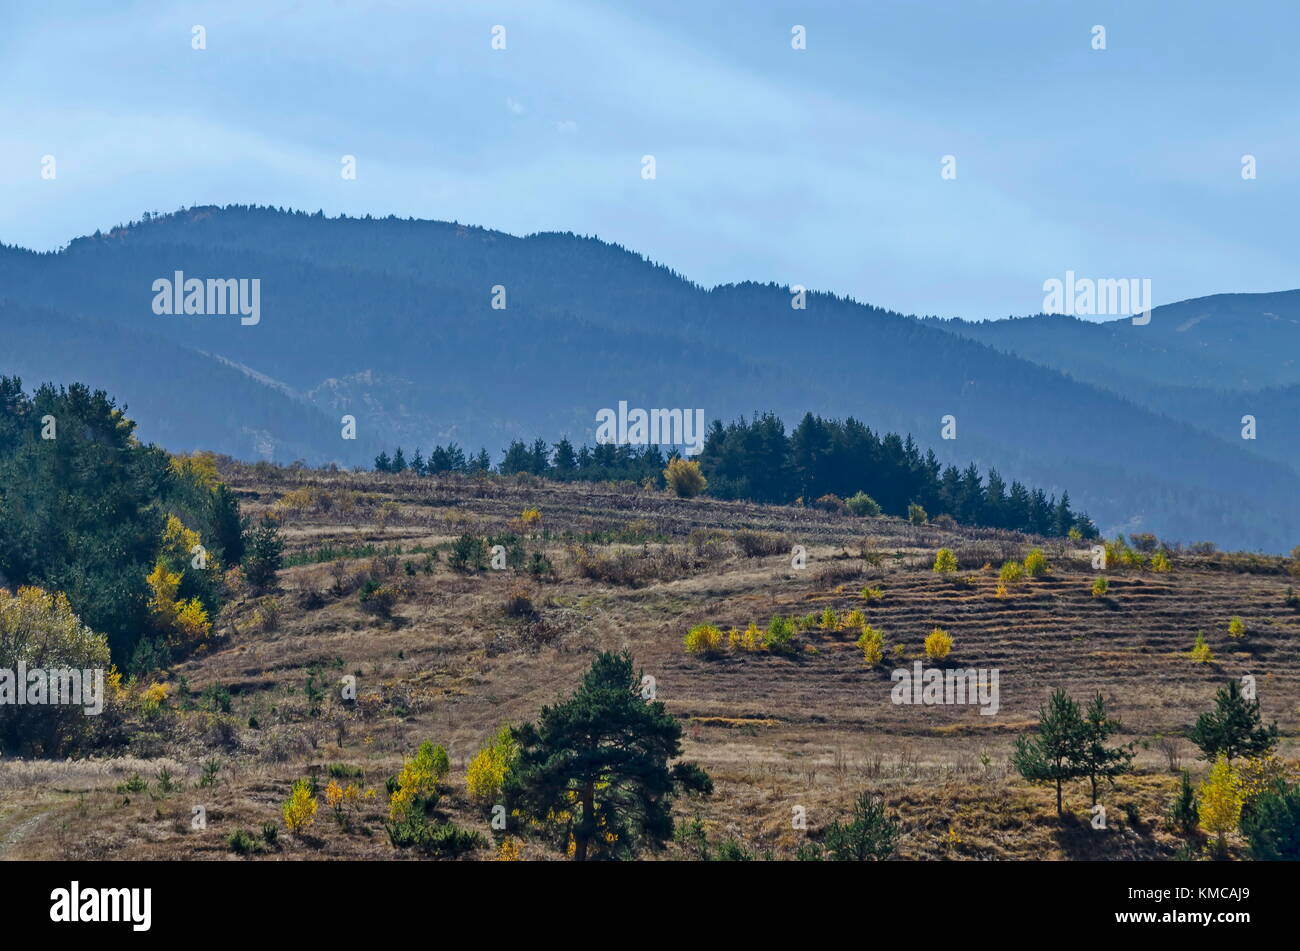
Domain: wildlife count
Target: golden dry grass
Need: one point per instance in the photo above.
(812, 729)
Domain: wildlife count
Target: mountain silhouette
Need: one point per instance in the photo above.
(392, 321)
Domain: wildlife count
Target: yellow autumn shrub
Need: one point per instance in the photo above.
(872, 644)
(300, 808)
(703, 639)
(1011, 572)
(199, 469)
(487, 771)
(938, 644)
(418, 780)
(855, 620)
(685, 478)
(1036, 563)
(1201, 652)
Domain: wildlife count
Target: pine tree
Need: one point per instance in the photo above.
(80, 513)
(809, 445)
(1040, 513)
(263, 558)
(995, 500)
(565, 459)
(539, 462)
(1018, 508)
(1057, 752)
(1062, 517)
(1100, 761)
(1184, 812)
(601, 756)
(399, 461)
(869, 835)
(971, 506)
(1272, 826)
(1234, 727)
(227, 525)
(516, 458)
(382, 462)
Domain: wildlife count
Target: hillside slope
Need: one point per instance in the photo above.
(462, 653)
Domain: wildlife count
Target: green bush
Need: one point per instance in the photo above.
(243, 842)
(1272, 825)
(869, 834)
(435, 838)
(468, 553)
(780, 635)
(862, 505)
(1036, 563)
(945, 561)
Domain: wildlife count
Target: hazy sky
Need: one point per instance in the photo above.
(819, 167)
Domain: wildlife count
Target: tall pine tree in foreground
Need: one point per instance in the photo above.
(1057, 753)
(601, 759)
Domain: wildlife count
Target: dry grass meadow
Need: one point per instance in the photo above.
(463, 653)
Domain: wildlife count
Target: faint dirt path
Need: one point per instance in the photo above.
(17, 824)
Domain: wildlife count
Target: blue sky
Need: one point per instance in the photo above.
(819, 167)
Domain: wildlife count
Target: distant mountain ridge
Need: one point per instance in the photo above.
(391, 320)
(1208, 361)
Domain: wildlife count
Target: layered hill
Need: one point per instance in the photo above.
(393, 321)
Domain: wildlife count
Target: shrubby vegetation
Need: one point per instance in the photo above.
(684, 478)
(486, 774)
(41, 630)
(414, 795)
(945, 562)
(135, 538)
(938, 644)
(1247, 789)
(871, 834)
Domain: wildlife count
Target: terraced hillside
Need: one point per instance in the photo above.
(462, 652)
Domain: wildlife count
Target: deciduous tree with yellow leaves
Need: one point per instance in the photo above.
(1221, 802)
(486, 773)
(299, 809)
